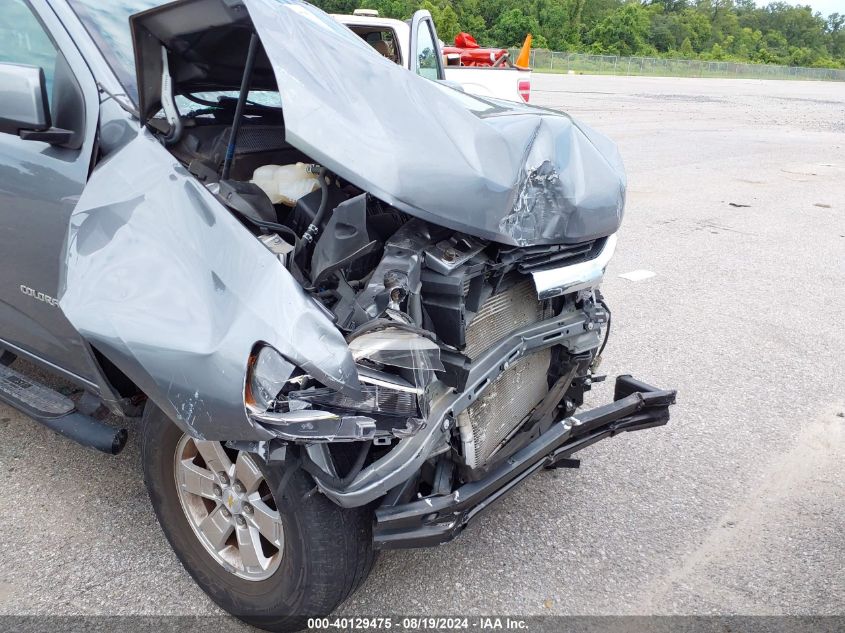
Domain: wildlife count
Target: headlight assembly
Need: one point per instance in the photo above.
(375, 399)
(267, 374)
(296, 407)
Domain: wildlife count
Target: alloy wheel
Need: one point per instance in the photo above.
(230, 507)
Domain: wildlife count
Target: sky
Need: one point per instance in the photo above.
(825, 7)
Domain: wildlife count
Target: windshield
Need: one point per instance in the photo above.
(108, 25)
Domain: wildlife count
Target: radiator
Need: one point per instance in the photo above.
(505, 403)
(503, 313)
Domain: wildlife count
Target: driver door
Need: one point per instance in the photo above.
(40, 184)
(426, 58)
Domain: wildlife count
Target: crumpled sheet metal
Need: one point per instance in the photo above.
(164, 281)
(494, 169)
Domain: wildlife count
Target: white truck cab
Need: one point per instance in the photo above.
(415, 45)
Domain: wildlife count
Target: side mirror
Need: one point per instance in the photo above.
(24, 106)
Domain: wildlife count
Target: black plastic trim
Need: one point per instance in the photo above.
(87, 431)
(75, 426)
(437, 520)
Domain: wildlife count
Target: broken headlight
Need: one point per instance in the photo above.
(397, 347)
(403, 350)
(374, 399)
(267, 374)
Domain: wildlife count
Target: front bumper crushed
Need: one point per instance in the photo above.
(438, 520)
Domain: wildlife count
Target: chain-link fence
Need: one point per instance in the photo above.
(553, 62)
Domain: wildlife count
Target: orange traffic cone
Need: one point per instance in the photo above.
(524, 59)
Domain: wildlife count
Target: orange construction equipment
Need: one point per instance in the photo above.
(471, 54)
(524, 59)
(465, 40)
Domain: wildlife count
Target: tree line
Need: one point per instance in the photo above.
(735, 30)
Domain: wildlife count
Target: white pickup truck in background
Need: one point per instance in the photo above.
(415, 46)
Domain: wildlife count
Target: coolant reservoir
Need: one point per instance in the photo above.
(286, 184)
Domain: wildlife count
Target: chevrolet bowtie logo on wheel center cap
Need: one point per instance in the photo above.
(233, 501)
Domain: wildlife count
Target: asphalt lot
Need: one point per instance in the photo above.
(737, 507)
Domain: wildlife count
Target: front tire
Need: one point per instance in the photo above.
(302, 555)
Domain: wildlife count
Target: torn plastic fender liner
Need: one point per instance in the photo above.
(162, 280)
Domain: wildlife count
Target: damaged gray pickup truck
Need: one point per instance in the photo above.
(346, 306)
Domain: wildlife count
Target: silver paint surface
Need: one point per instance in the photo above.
(162, 280)
(495, 169)
(499, 170)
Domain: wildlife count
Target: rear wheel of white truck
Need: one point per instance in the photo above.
(261, 542)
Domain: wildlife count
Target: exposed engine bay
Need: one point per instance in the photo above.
(397, 293)
(446, 329)
(446, 312)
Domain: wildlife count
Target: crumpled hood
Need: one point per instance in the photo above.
(498, 170)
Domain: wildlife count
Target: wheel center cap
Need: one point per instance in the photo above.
(233, 501)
